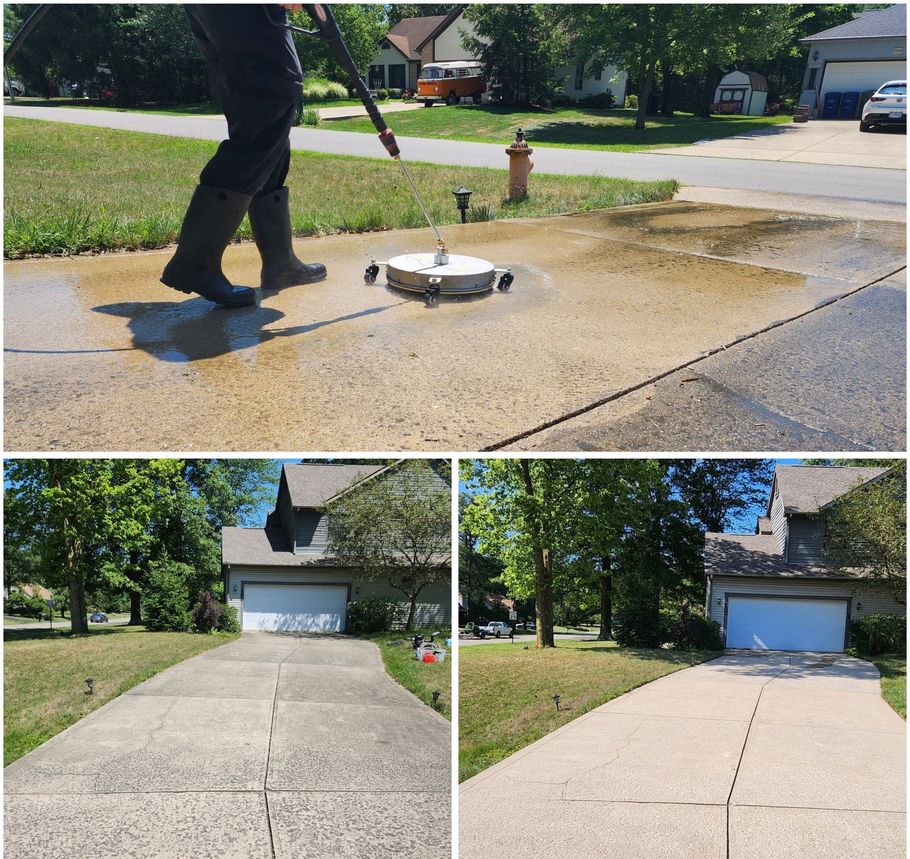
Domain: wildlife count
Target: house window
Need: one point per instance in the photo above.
(813, 73)
(580, 76)
(385, 46)
(377, 77)
(396, 76)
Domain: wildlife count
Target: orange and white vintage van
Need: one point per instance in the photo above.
(450, 82)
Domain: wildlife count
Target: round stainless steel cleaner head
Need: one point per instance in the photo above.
(461, 275)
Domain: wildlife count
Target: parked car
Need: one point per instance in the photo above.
(98, 617)
(450, 82)
(496, 628)
(888, 106)
(13, 87)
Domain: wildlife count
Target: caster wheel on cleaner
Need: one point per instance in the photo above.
(505, 282)
(371, 273)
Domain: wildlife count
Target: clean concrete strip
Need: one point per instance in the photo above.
(648, 774)
(186, 764)
(859, 183)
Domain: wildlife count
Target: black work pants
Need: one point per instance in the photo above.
(254, 67)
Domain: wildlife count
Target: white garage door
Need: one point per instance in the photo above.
(294, 608)
(772, 623)
(860, 77)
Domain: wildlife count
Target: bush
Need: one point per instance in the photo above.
(632, 102)
(19, 603)
(879, 633)
(335, 91)
(207, 613)
(383, 94)
(600, 100)
(166, 599)
(309, 117)
(228, 621)
(395, 92)
(371, 615)
(693, 629)
(315, 91)
(481, 212)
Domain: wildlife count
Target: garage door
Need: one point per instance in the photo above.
(778, 623)
(294, 608)
(860, 77)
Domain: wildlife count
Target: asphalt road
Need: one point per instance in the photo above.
(63, 623)
(856, 183)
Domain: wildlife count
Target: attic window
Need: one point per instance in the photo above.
(386, 45)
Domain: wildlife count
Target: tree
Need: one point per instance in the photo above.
(866, 530)
(396, 527)
(361, 24)
(719, 491)
(631, 36)
(521, 47)
(399, 11)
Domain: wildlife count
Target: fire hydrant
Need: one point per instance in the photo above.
(520, 165)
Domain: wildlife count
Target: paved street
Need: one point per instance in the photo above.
(670, 326)
(745, 757)
(857, 183)
(271, 747)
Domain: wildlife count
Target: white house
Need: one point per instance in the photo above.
(856, 57)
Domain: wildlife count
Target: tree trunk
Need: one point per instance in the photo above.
(78, 608)
(412, 611)
(606, 603)
(543, 571)
(135, 608)
(646, 78)
(712, 78)
(668, 81)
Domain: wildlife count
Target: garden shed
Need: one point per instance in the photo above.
(741, 92)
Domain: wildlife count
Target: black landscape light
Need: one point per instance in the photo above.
(463, 201)
(556, 701)
(436, 699)
(90, 682)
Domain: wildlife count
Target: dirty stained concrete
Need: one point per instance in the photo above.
(270, 747)
(100, 356)
(766, 755)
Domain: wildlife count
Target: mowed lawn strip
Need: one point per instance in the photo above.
(72, 189)
(44, 675)
(568, 127)
(418, 678)
(893, 668)
(505, 691)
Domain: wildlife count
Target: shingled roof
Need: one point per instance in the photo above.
(409, 35)
(263, 547)
(875, 24)
(808, 488)
(757, 555)
(313, 484)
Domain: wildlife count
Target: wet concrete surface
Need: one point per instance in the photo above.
(100, 356)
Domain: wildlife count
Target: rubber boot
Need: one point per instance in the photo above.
(211, 220)
(270, 219)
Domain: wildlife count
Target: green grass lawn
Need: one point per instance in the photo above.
(419, 678)
(576, 128)
(15, 620)
(505, 692)
(893, 668)
(44, 675)
(73, 189)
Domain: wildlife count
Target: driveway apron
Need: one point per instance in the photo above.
(271, 746)
(746, 756)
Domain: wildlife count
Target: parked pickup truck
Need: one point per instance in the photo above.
(496, 628)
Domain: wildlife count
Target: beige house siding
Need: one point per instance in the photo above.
(434, 605)
(447, 47)
(865, 598)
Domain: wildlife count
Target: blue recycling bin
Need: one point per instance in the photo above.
(848, 104)
(831, 105)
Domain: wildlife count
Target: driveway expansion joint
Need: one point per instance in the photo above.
(638, 386)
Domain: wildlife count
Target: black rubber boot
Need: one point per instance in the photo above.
(270, 218)
(211, 220)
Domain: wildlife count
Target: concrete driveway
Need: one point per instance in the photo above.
(744, 757)
(819, 141)
(271, 746)
(769, 330)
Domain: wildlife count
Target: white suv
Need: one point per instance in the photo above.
(888, 106)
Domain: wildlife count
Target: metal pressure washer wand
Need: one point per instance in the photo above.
(328, 29)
